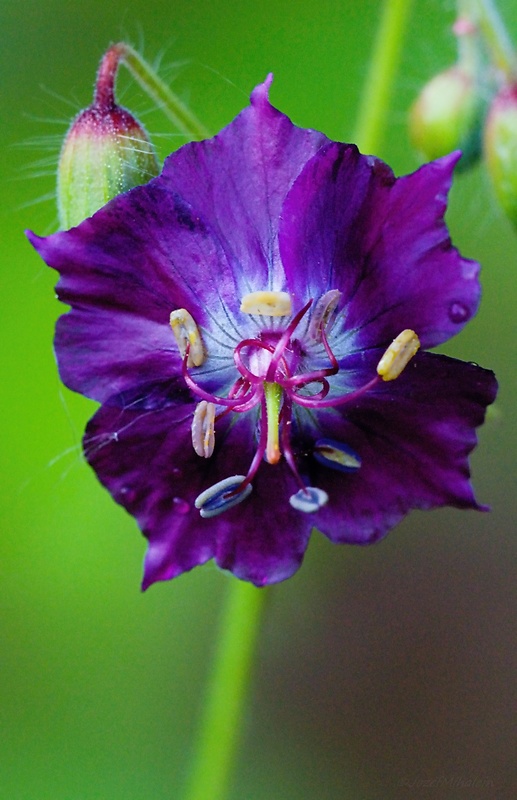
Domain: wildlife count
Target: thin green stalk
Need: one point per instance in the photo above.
(384, 63)
(496, 37)
(163, 96)
(224, 705)
(223, 710)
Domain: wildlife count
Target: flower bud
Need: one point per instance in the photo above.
(106, 152)
(500, 143)
(448, 116)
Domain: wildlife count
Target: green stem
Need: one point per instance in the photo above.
(497, 38)
(378, 87)
(163, 96)
(227, 690)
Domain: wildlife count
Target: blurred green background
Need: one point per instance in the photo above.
(384, 672)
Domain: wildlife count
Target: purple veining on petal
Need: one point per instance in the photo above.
(349, 224)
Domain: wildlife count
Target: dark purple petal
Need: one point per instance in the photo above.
(414, 436)
(140, 448)
(123, 271)
(265, 539)
(101, 358)
(348, 224)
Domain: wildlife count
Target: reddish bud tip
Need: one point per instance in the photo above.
(105, 152)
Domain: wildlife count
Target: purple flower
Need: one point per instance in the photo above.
(232, 315)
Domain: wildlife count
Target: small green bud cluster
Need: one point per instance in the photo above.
(448, 116)
(500, 141)
(106, 151)
(472, 106)
(450, 110)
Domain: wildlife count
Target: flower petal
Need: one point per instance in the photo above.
(413, 436)
(267, 207)
(123, 271)
(198, 237)
(348, 224)
(239, 180)
(142, 453)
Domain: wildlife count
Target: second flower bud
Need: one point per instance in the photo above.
(106, 152)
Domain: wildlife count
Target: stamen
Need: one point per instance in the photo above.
(203, 429)
(321, 401)
(336, 455)
(286, 420)
(188, 337)
(321, 317)
(309, 500)
(256, 346)
(271, 304)
(273, 395)
(221, 496)
(240, 402)
(284, 341)
(398, 355)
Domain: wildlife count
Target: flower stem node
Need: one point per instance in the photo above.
(398, 355)
(203, 429)
(271, 304)
(309, 500)
(188, 337)
(222, 496)
(336, 455)
(323, 316)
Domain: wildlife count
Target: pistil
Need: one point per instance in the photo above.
(273, 395)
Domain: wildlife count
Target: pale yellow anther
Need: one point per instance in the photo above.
(187, 335)
(271, 304)
(203, 429)
(398, 355)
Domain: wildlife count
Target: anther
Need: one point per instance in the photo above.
(271, 304)
(336, 455)
(203, 432)
(222, 496)
(188, 337)
(398, 355)
(321, 317)
(309, 500)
